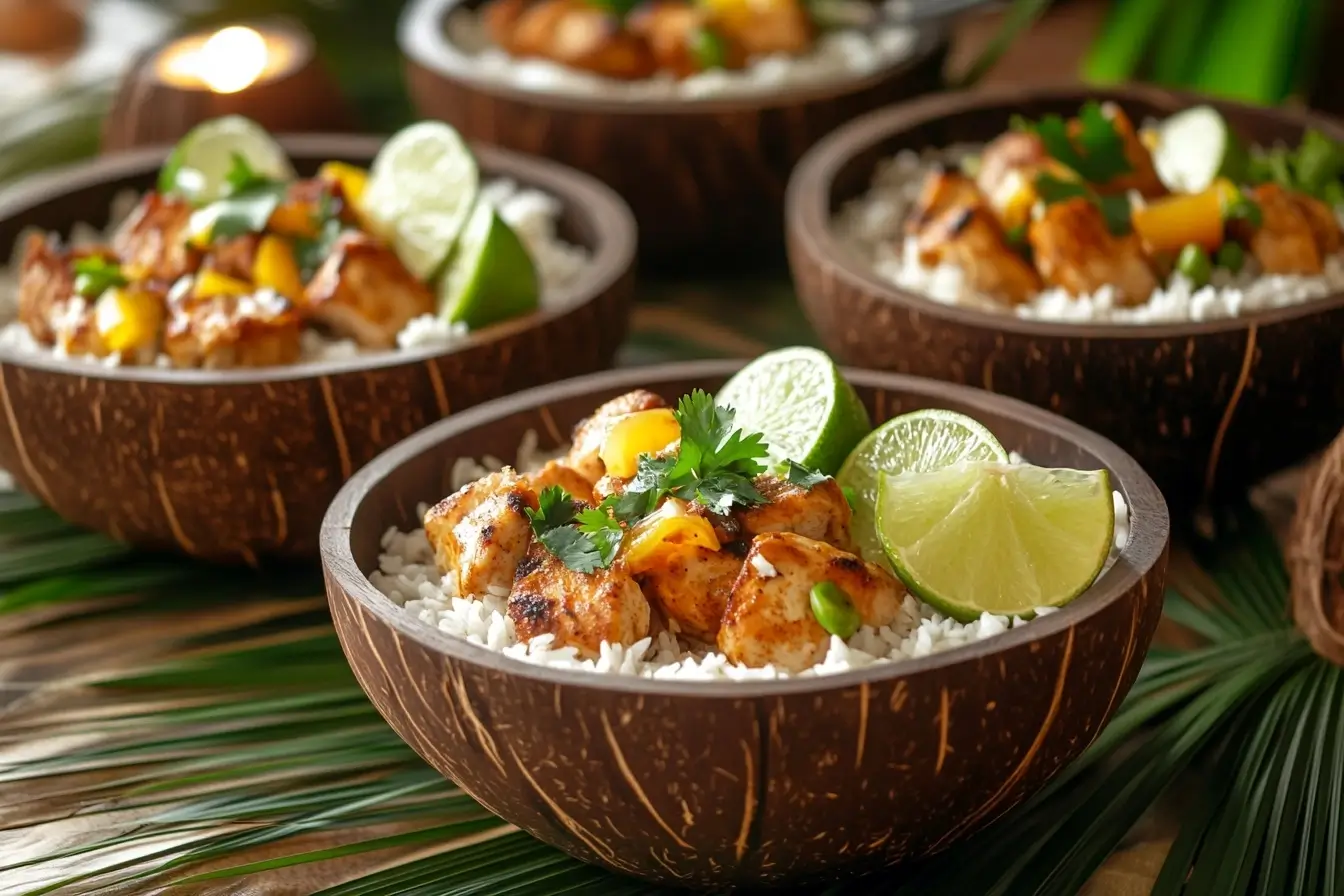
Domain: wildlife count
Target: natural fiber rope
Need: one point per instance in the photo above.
(1316, 555)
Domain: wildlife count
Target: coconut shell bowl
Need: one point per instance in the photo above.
(717, 784)
(239, 465)
(704, 176)
(1206, 407)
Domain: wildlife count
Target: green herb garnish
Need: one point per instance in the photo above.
(1114, 209)
(1315, 167)
(708, 49)
(1096, 152)
(1244, 209)
(803, 477)
(249, 201)
(95, 275)
(583, 541)
(834, 610)
(311, 252)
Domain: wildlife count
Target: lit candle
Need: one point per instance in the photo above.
(229, 60)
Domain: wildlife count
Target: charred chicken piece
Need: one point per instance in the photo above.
(363, 291)
(580, 609)
(1286, 241)
(1074, 250)
(971, 238)
(153, 243)
(223, 331)
(819, 512)
(482, 532)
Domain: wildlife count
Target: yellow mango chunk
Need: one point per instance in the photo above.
(1169, 224)
(669, 529)
(128, 319)
(643, 432)
(351, 179)
(297, 219)
(276, 268)
(211, 284)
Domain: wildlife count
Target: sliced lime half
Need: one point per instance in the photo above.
(198, 166)
(797, 399)
(490, 276)
(917, 443)
(422, 187)
(997, 538)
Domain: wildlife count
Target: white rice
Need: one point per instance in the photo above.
(531, 213)
(839, 55)
(872, 227)
(407, 575)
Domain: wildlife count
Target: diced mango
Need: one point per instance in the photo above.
(294, 218)
(643, 432)
(128, 319)
(1014, 200)
(276, 268)
(1174, 222)
(351, 179)
(211, 284)
(669, 529)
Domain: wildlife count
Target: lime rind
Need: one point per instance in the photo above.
(800, 402)
(490, 277)
(1004, 539)
(918, 442)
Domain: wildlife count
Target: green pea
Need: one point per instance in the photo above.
(1195, 265)
(1231, 256)
(834, 610)
(708, 49)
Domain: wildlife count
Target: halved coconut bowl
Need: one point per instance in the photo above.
(238, 465)
(1205, 407)
(705, 177)
(730, 783)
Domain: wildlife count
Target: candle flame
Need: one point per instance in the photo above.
(232, 59)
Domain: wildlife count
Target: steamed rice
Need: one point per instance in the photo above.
(407, 575)
(534, 215)
(872, 227)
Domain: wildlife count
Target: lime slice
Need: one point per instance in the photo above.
(490, 276)
(199, 165)
(998, 538)
(917, 442)
(1196, 146)
(421, 188)
(797, 399)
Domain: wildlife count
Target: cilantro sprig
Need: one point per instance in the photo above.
(96, 275)
(713, 466)
(248, 203)
(1114, 209)
(1095, 150)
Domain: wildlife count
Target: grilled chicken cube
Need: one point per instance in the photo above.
(224, 331)
(1075, 250)
(583, 36)
(1324, 225)
(820, 512)
(580, 609)
(1142, 175)
(1013, 156)
(481, 533)
(692, 586)
(500, 18)
(362, 290)
(234, 257)
(153, 242)
(669, 27)
(556, 473)
(46, 287)
(1285, 241)
(591, 432)
(769, 618)
(971, 238)
(764, 27)
(942, 191)
(75, 328)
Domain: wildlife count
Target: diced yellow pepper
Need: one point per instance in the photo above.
(211, 284)
(643, 432)
(351, 179)
(1172, 223)
(296, 219)
(128, 319)
(276, 268)
(669, 529)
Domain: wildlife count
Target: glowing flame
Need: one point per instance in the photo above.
(231, 60)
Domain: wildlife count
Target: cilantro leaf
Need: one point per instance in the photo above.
(1053, 189)
(247, 210)
(720, 491)
(555, 510)
(573, 548)
(241, 175)
(1114, 209)
(803, 477)
(604, 531)
(1095, 149)
(95, 275)
(585, 540)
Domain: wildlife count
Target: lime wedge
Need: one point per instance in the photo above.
(998, 538)
(797, 399)
(421, 188)
(198, 166)
(917, 443)
(490, 276)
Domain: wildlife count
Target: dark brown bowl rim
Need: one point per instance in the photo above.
(808, 212)
(422, 26)
(1142, 551)
(610, 217)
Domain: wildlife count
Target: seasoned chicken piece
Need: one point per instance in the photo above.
(556, 473)
(234, 257)
(1142, 176)
(46, 286)
(692, 587)
(1010, 157)
(1324, 225)
(232, 331)
(764, 27)
(501, 18)
(581, 609)
(583, 36)
(669, 27)
(769, 618)
(481, 532)
(152, 242)
(971, 238)
(75, 328)
(1074, 249)
(590, 432)
(1285, 241)
(820, 512)
(942, 191)
(363, 291)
